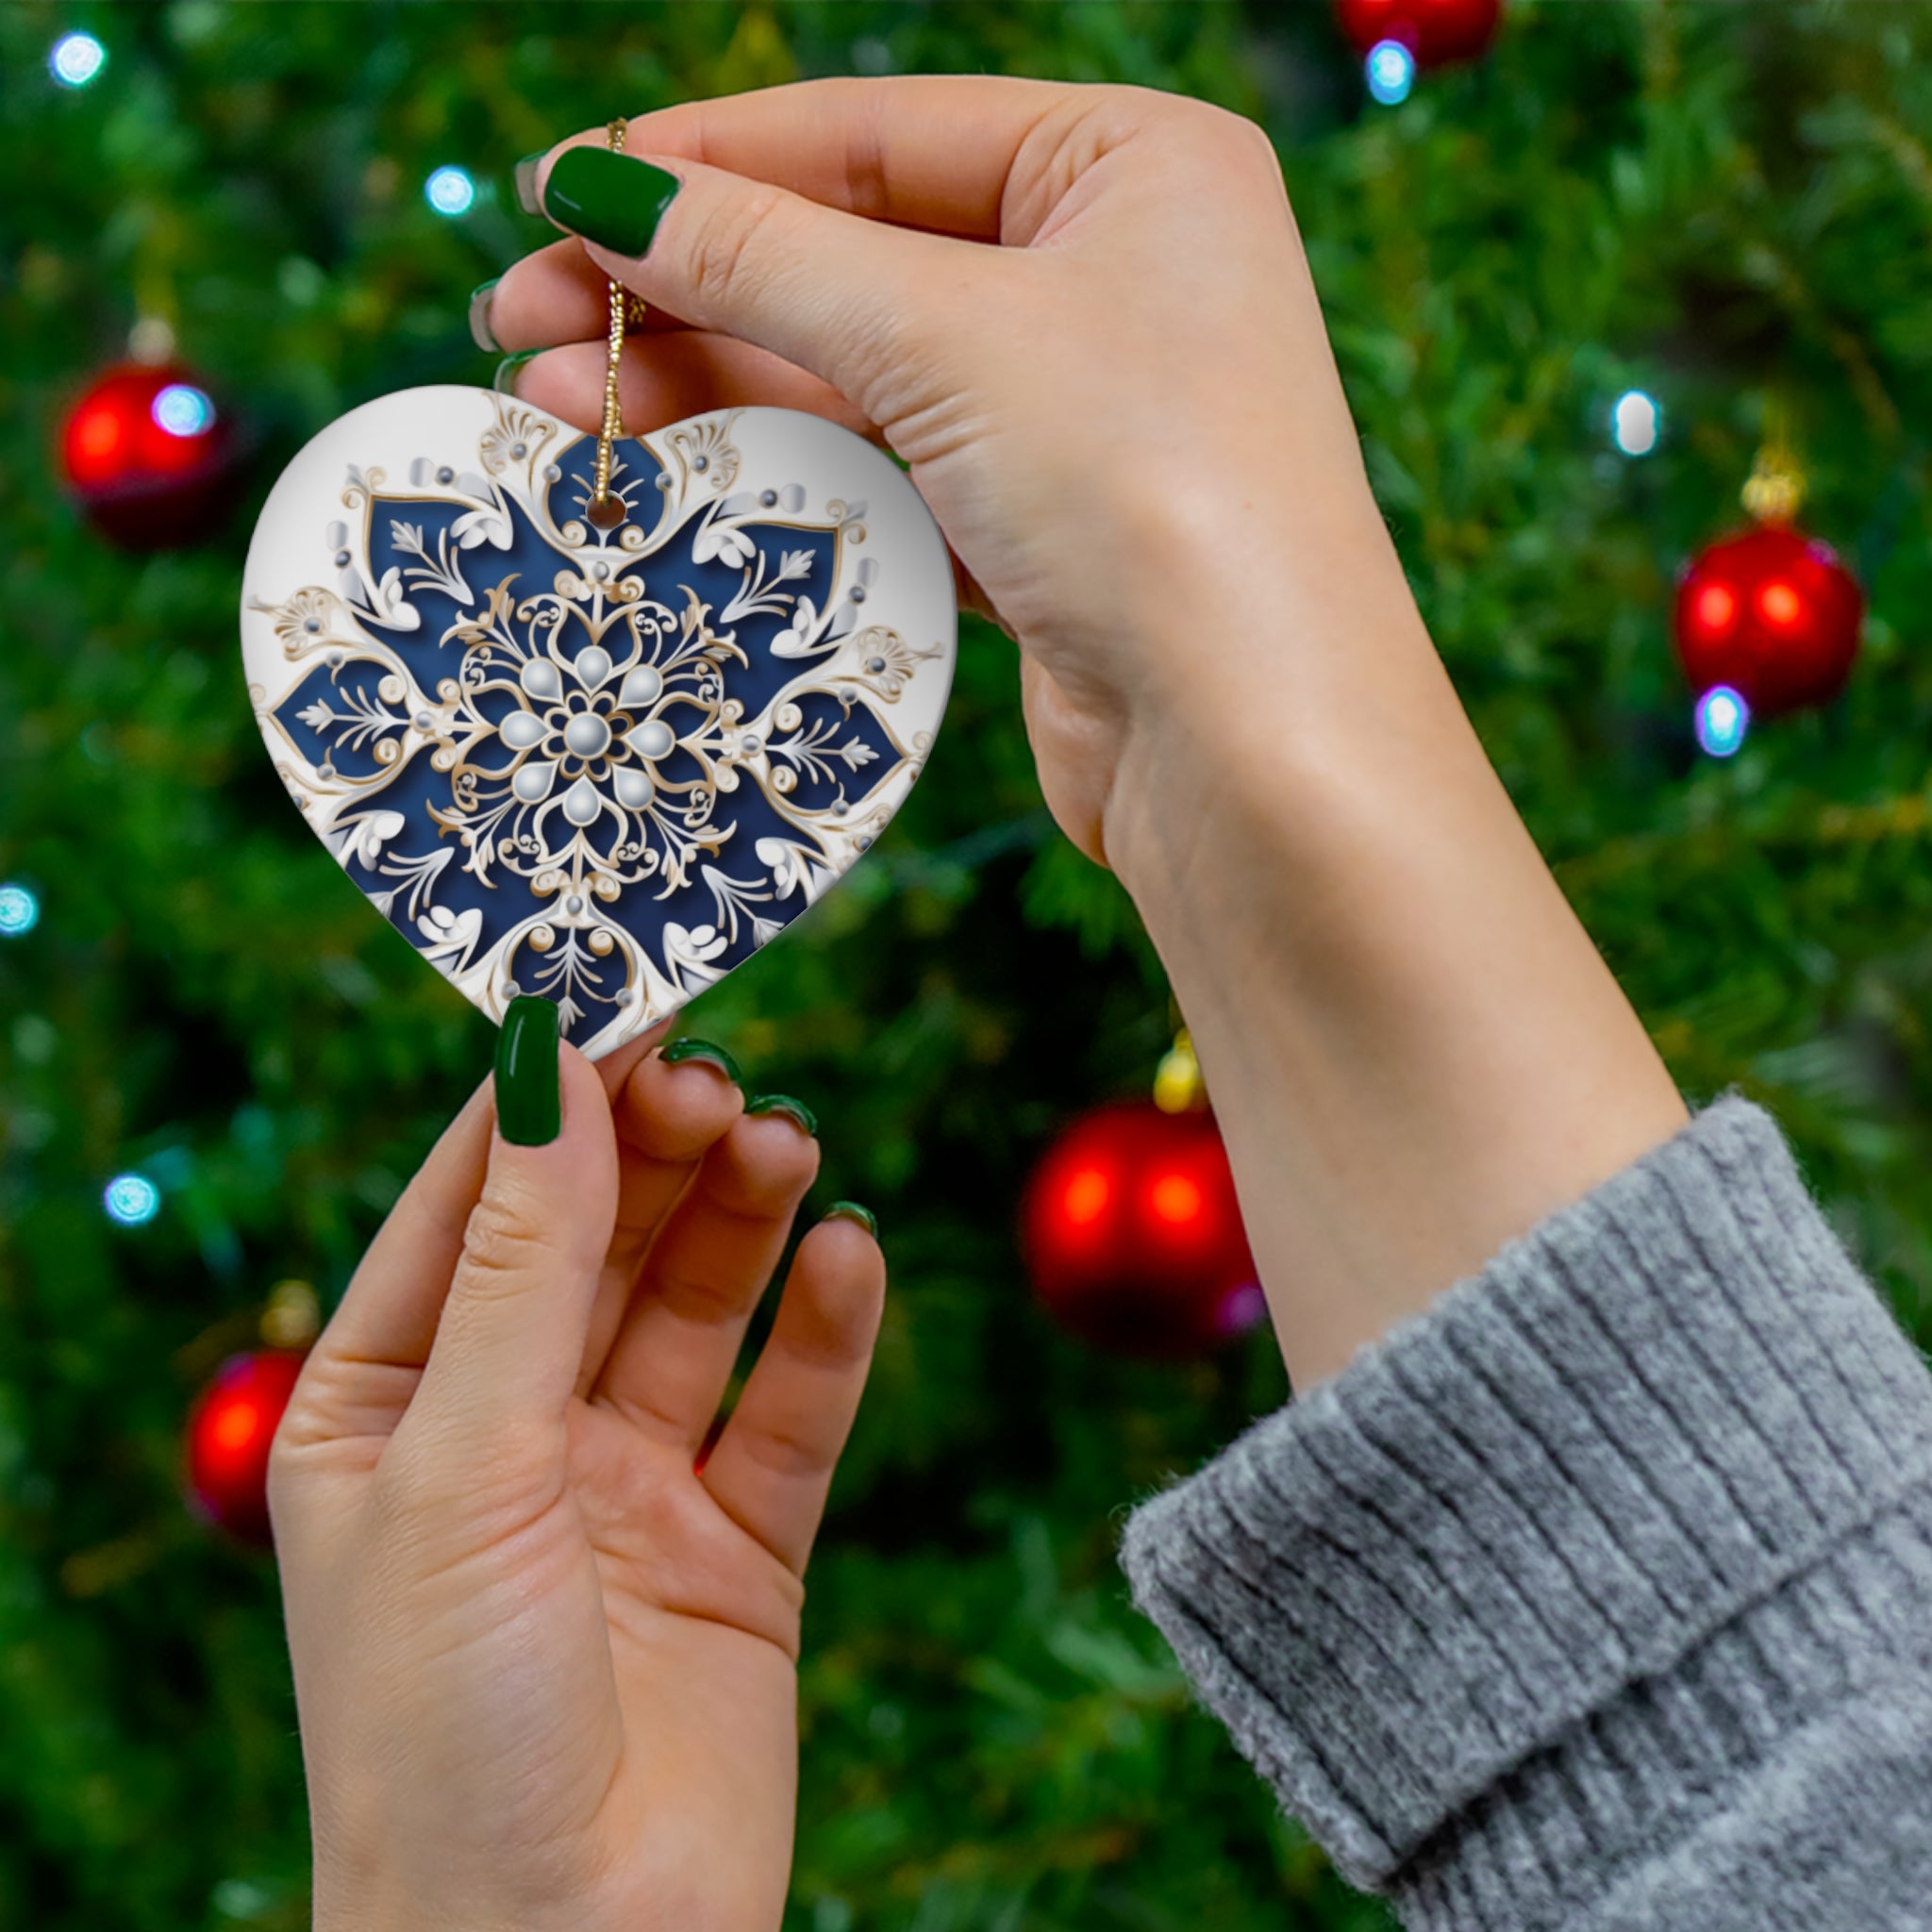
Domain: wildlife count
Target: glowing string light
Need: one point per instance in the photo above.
(1391, 71)
(1723, 718)
(76, 60)
(1636, 423)
(132, 1200)
(20, 911)
(450, 192)
(182, 410)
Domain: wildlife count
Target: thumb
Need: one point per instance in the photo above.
(510, 1340)
(853, 301)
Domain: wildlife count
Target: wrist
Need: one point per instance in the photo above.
(1269, 696)
(1414, 1050)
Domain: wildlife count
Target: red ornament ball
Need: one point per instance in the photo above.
(1435, 31)
(1133, 1236)
(1773, 614)
(149, 456)
(229, 1431)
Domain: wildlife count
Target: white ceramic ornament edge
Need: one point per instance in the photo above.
(542, 783)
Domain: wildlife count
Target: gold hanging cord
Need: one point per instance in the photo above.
(605, 510)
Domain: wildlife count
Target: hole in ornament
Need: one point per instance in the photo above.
(605, 512)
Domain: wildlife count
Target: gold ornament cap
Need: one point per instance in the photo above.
(293, 1318)
(1774, 492)
(1178, 1084)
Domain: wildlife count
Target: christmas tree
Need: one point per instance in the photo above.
(1718, 213)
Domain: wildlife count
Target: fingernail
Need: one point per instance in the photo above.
(504, 380)
(527, 183)
(851, 1210)
(529, 1107)
(481, 332)
(609, 198)
(681, 1050)
(794, 1111)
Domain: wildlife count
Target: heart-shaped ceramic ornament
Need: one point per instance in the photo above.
(604, 766)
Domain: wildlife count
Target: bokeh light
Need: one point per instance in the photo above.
(1088, 1192)
(1175, 1199)
(20, 911)
(1636, 423)
(1723, 718)
(76, 60)
(182, 410)
(450, 192)
(131, 1199)
(1391, 71)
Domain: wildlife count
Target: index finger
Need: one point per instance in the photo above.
(920, 151)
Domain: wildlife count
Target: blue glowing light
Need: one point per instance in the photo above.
(450, 192)
(76, 60)
(182, 410)
(131, 1199)
(1391, 71)
(1723, 718)
(20, 911)
(1636, 423)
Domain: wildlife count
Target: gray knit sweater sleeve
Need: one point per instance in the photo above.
(1599, 1597)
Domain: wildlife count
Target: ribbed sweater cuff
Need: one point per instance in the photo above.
(1516, 1543)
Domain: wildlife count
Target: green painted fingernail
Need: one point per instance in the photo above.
(529, 1104)
(793, 1110)
(526, 178)
(686, 1049)
(851, 1210)
(609, 198)
(505, 381)
(480, 331)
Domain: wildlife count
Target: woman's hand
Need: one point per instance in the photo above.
(545, 1666)
(1083, 318)
(1128, 396)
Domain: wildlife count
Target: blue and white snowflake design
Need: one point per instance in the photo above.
(599, 766)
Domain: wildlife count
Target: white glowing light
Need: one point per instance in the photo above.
(1391, 71)
(131, 1199)
(450, 192)
(76, 60)
(20, 911)
(182, 410)
(1636, 423)
(1723, 718)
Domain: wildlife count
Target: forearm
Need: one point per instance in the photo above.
(1414, 1048)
